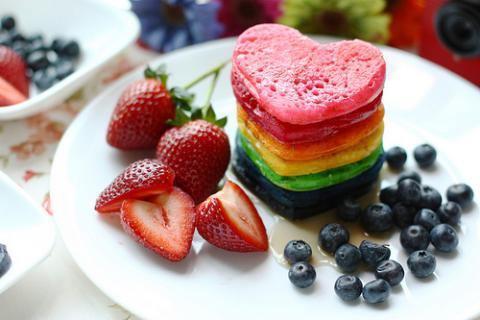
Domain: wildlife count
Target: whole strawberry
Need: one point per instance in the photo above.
(141, 114)
(13, 70)
(199, 153)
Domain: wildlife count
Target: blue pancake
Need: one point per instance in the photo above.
(299, 205)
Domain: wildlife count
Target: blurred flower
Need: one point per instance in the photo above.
(238, 15)
(364, 19)
(171, 24)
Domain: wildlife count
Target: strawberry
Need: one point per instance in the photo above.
(199, 153)
(14, 70)
(141, 113)
(139, 180)
(229, 220)
(9, 95)
(165, 224)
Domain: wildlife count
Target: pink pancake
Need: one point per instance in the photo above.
(300, 81)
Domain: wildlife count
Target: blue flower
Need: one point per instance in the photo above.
(171, 24)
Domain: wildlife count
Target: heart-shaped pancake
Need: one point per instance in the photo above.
(300, 81)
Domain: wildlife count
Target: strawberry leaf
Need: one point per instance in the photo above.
(221, 122)
(196, 114)
(182, 98)
(159, 74)
(180, 118)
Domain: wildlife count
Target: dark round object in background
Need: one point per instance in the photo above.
(8, 22)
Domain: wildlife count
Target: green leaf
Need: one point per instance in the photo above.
(196, 114)
(180, 118)
(159, 74)
(182, 98)
(210, 115)
(221, 122)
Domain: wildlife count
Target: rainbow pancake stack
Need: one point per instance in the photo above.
(310, 118)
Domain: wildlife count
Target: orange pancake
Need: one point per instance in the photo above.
(312, 150)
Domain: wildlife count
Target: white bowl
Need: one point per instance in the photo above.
(102, 31)
(26, 230)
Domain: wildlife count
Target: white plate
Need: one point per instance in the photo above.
(26, 230)
(218, 284)
(102, 32)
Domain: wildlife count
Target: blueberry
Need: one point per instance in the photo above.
(16, 36)
(421, 263)
(349, 209)
(373, 254)
(37, 60)
(431, 198)
(414, 238)
(450, 213)
(34, 46)
(378, 217)
(8, 23)
(297, 250)
(390, 271)
(35, 37)
(348, 288)
(44, 79)
(460, 193)
(376, 291)
(348, 257)
(5, 39)
(58, 44)
(5, 261)
(425, 155)
(332, 236)
(21, 48)
(396, 157)
(403, 215)
(64, 68)
(389, 195)
(409, 192)
(302, 274)
(427, 219)
(71, 50)
(410, 175)
(444, 238)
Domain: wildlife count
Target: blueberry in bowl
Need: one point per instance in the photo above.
(349, 209)
(427, 218)
(450, 213)
(5, 260)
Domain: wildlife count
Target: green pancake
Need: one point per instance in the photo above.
(311, 181)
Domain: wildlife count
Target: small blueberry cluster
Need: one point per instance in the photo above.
(298, 254)
(47, 63)
(415, 208)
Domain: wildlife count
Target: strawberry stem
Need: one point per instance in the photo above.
(215, 70)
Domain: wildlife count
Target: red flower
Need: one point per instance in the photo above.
(238, 15)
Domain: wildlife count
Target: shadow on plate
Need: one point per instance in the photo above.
(236, 260)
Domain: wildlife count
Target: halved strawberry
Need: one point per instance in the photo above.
(14, 70)
(229, 220)
(165, 224)
(9, 95)
(141, 179)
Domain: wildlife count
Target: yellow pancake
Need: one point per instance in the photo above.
(312, 150)
(297, 168)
